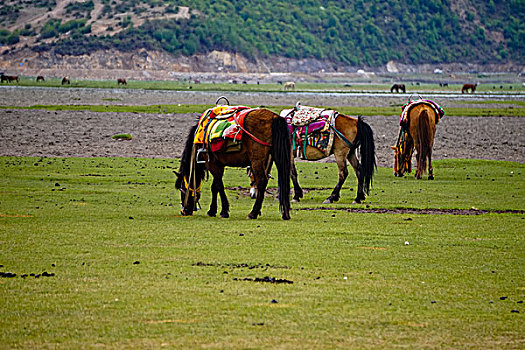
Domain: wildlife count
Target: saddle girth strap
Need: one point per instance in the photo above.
(349, 143)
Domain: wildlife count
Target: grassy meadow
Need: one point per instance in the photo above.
(374, 84)
(94, 254)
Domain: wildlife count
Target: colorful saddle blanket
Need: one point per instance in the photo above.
(221, 123)
(310, 126)
(403, 120)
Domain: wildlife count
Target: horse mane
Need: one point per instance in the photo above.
(424, 138)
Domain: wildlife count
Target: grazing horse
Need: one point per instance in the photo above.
(289, 86)
(65, 80)
(348, 134)
(122, 81)
(40, 78)
(417, 131)
(398, 87)
(467, 87)
(10, 78)
(264, 134)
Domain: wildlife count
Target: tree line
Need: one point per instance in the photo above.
(356, 32)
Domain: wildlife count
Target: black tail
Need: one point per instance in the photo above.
(281, 153)
(423, 135)
(365, 137)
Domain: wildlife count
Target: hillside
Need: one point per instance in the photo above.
(307, 35)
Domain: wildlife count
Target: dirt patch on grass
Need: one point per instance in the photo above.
(431, 211)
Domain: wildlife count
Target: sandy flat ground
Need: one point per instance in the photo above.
(88, 134)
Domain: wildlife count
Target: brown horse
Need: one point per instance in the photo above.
(416, 133)
(40, 78)
(265, 134)
(65, 80)
(398, 87)
(349, 134)
(122, 81)
(467, 87)
(10, 78)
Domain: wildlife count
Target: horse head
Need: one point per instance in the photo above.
(402, 159)
(189, 193)
(398, 163)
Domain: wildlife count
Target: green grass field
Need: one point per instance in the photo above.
(370, 85)
(103, 260)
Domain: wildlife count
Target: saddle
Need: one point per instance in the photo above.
(221, 127)
(310, 126)
(404, 120)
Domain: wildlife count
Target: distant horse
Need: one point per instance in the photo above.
(289, 86)
(265, 134)
(122, 81)
(418, 128)
(467, 87)
(40, 78)
(65, 80)
(349, 133)
(398, 87)
(9, 78)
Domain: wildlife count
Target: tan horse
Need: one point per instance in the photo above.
(349, 134)
(289, 86)
(417, 133)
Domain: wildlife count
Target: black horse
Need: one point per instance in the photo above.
(398, 87)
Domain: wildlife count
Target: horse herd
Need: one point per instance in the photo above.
(267, 138)
(290, 85)
(65, 80)
(464, 89)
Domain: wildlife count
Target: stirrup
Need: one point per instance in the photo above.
(199, 151)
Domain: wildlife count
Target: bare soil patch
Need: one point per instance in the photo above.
(89, 134)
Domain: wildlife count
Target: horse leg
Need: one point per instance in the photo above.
(298, 191)
(419, 161)
(357, 169)
(213, 205)
(261, 181)
(343, 173)
(217, 187)
(225, 205)
(430, 169)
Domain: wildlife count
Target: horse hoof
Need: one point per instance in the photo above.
(431, 177)
(212, 215)
(225, 215)
(295, 200)
(286, 216)
(327, 201)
